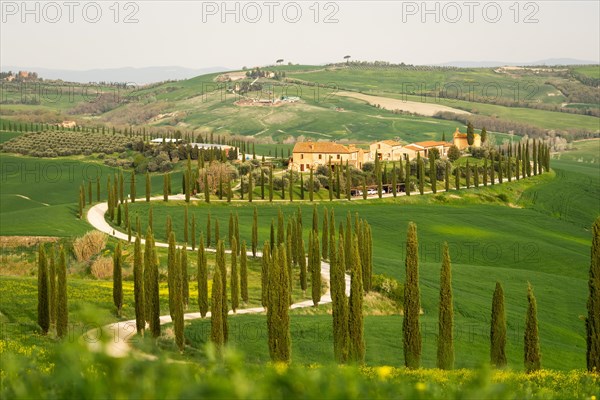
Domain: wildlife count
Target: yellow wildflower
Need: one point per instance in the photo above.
(384, 372)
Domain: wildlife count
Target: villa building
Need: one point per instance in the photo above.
(307, 155)
(460, 140)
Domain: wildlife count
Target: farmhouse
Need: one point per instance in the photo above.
(165, 140)
(388, 150)
(428, 145)
(307, 155)
(68, 124)
(460, 140)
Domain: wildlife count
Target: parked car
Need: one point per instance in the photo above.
(371, 191)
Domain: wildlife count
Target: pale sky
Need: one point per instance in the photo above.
(199, 34)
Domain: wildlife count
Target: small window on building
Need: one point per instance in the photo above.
(301, 156)
(320, 156)
(338, 156)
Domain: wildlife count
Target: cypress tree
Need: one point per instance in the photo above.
(148, 186)
(230, 190)
(315, 220)
(339, 301)
(254, 232)
(235, 282)
(202, 279)
(468, 175)
(138, 285)
(476, 176)
(98, 188)
(119, 217)
(185, 279)
(432, 173)
(171, 266)
(291, 187)
(457, 178)
(485, 171)
(330, 181)
(244, 273)
(193, 232)
(165, 187)
(118, 279)
(178, 301)
(407, 182)
(532, 354)
(264, 273)
(394, 180)
(206, 189)
(62, 310)
(500, 169)
(303, 270)
(271, 184)
(364, 188)
(301, 186)
(378, 175)
(278, 319)
(498, 329)
(185, 224)
(338, 188)
(445, 344)
(262, 183)
(250, 187)
(447, 177)
(592, 323)
(356, 345)
(43, 309)
(151, 218)
(421, 169)
(236, 230)
(208, 230)
(366, 257)
(348, 241)
(324, 234)
(230, 232)
(492, 169)
(348, 182)
(132, 187)
(52, 286)
(272, 241)
(316, 270)
(216, 310)
(412, 303)
(121, 187)
(311, 187)
(223, 270)
(188, 190)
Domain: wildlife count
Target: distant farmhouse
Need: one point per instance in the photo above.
(307, 155)
(460, 140)
(205, 146)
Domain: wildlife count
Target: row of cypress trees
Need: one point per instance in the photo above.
(412, 342)
(52, 308)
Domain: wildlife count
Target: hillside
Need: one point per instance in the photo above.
(529, 101)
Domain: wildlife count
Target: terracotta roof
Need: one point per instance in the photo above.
(432, 143)
(320, 147)
(460, 135)
(391, 142)
(414, 147)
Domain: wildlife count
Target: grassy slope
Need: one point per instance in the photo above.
(54, 182)
(393, 82)
(511, 245)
